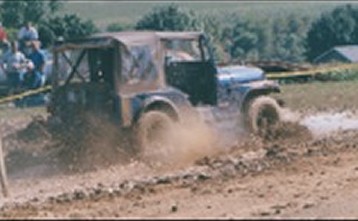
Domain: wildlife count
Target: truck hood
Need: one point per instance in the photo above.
(239, 74)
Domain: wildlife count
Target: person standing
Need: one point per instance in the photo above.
(35, 77)
(4, 43)
(14, 64)
(38, 59)
(3, 34)
(27, 34)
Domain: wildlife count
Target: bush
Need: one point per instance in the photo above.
(168, 18)
(342, 75)
(339, 27)
(11, 33)
(115, 27)
(68, 27)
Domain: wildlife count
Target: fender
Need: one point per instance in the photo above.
(174, 102)
(160, 103)
(258, 88)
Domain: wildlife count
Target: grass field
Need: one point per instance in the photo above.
(321, 96)
(126, 12)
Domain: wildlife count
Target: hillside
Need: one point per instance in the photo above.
(106, 12)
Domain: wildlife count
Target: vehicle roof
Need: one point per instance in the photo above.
(128, 38)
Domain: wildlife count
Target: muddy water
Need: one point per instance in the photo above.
(323, 124)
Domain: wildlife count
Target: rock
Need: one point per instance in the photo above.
(264, 213)
(79, 195)
(98, 191)
(261, 195)
(308, 205)
(174, 208)
(163, 180)
(35, 199)
(202, 177)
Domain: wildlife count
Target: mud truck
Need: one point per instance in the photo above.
(142, 81)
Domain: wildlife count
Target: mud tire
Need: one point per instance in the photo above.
(151, 135)
(262, 115)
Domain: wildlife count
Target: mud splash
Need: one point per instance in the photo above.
(184, 143)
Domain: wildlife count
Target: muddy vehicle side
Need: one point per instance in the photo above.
(128, 76)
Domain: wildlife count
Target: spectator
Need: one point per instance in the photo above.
(3, 34)
(27, 34)
(4, 43)
(32, 78)
(14, 63)
(38, 59)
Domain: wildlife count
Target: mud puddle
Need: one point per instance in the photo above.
(324, 124)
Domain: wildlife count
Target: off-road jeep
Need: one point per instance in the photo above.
(140, 80)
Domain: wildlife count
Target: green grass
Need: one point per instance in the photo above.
(106, 12)
(321, 96)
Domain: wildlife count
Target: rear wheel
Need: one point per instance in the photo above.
(153, 136)
(262, 115)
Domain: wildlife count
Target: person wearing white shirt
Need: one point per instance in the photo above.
(14, 64)
(27, 34)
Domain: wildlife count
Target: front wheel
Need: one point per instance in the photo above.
(262, 115)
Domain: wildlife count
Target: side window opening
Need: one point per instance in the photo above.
(101, 65)
(178, 50)
(183, 50)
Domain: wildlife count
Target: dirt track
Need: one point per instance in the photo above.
(296, 176)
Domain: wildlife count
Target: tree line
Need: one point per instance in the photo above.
(292, 37)
(46, 16)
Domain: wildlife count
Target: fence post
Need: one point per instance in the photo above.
(3, 176)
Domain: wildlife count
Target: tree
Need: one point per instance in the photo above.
(67, 26)
(16, 13)
(337, 27)
(278, 38)
(213, 30)
(289, 35)
(44, 15)
(168, 18)
(55, 6)
(13, 13)
(242, 39)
